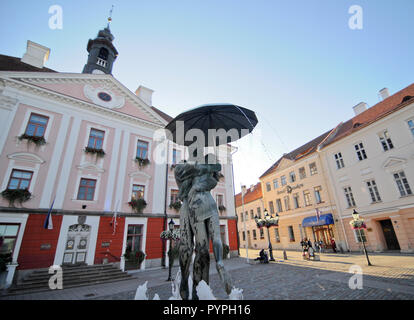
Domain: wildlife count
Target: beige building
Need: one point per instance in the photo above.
(247, 208)
(296, 188)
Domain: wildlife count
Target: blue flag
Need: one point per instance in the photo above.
(48, 221)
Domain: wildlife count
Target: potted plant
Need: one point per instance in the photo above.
(12, 195)
(142, 162)
(358, 224)
(175, 205)
(226, 250)
(138, 205)
(98, 152)
(38, 141)
(134, 259)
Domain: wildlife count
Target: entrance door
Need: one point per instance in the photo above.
(76, 244)
(389, 235)
(325, 234)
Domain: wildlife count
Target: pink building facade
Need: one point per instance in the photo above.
(50, 121)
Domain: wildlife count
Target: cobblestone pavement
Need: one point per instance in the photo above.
(390, 278)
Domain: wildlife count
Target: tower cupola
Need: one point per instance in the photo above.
(102, 52)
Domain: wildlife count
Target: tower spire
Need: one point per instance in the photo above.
(110, 16)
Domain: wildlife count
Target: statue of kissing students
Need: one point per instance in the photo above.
(199, 219)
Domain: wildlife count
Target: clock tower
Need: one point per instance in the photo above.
(102, 52)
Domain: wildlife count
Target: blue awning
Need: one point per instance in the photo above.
(324, 219)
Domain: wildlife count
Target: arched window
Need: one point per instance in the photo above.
(103, 54)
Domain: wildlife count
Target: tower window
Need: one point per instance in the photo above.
(103, 54)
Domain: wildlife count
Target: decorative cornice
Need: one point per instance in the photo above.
(90, 167)
(19, 85)
(25, 156)
(137, 174)
(84, 78)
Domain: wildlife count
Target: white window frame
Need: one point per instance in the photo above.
(296, 202)
(386, 142)
(410, 128)
(373, 190)
(348, 192)
(310, 168)
(317, 193)
(360, 150)
(405, 177)
(358, 239)
(306, 203)
(339, 160)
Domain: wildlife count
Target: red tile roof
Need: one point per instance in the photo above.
(8, 63)
(250, 195)
(387, 106)
(162, 114)
(298, 153)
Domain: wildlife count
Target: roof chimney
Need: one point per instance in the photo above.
(359, 108)
(384, 93)
(36, 55)
(251, 187)
(145, 94)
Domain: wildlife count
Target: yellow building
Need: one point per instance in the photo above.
(296, 188)
(247, 208)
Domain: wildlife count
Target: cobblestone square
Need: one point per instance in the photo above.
(390, 278)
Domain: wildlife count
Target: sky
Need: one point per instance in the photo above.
(298, 64)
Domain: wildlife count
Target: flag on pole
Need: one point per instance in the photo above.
(318, 214)
(114, 223)
(48, 221)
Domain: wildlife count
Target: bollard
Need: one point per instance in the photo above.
(284, 255)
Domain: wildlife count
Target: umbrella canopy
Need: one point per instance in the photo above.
(229, 118)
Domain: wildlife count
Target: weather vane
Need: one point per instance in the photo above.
(110, 15)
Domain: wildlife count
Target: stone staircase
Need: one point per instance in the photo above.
(78, 276)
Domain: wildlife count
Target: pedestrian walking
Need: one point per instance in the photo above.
(321, 244)
(305, 248)
(333, 244)
(317, 247)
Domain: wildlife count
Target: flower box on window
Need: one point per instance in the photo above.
(138, 205)
(98, 152)
(38, 141)
(142, 162)
(13, 195)
(175, 205)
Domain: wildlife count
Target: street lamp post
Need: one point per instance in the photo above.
(172, 235)
(359, 224)
(170, 258)
(268, 222)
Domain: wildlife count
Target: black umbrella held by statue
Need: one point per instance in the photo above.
(214, 124)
